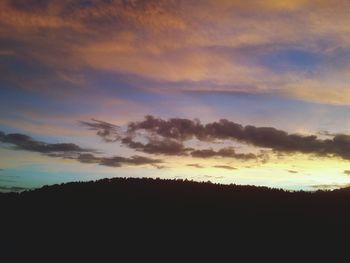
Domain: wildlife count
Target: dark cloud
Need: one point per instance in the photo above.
(179, 129)
(72, 151)
(88, 158)
(347, 172)
(224, 152)
(25, 142)
(156, 146)
(118, 161)
(266, 137)
(293, 171)
(166, 137)
(225, 167)
(114, 161)
(107, 131)
(196, 165)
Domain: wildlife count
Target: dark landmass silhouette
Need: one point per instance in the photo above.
(136, 213)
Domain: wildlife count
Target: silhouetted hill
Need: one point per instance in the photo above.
(138, 212)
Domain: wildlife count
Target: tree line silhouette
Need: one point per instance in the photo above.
(138, 211)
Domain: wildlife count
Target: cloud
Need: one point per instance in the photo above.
(163, 137)
(159, 166)
(25, 142)
(107, 131)
(88, 158)
(332, 91)
(195, 165)
(347, 172)
(118, 161)
(293, 171)
(114, 161)
(167, 137)
(32, 15)
(155, 146)
(219, 45)
(175, 128)
(227, 152)
(112, 133)
(265, 137)
(72, 151)
(225, 167)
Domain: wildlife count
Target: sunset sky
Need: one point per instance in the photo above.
(247, 92)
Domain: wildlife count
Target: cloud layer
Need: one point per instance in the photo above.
(169, 135)
(25, 142)
(117, 161)
(72, 151)
(297, 49)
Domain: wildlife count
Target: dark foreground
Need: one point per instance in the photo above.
(175, 216)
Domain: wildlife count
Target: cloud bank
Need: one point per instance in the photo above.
(72, 151)
(169, 135)
(227, 44)
(25, 142)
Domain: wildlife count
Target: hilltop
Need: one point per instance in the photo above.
(139, 210)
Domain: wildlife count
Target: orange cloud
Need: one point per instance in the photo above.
(215, 41)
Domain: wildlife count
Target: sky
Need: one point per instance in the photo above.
(244, 92)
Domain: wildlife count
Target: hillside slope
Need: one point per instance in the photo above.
(135, 211)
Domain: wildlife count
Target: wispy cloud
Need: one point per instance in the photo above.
(107, 131)
(167, 140)
(25, 142)
(72, 151)
(195, 165)
(157, 146)
(227, 152)
(227, 167)
(225, 43)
